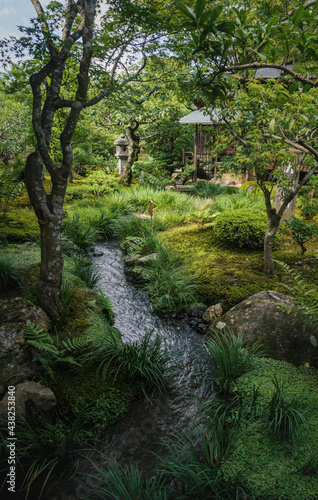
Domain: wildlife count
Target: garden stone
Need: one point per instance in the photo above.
(29, 396)
(15, 354)
(148, 258)
(212, 312)
(250, 189)
(278, 323)
(194, 311)
(130, 259)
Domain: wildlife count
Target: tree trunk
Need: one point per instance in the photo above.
(273, 222)
(49, 211)
(133, 150)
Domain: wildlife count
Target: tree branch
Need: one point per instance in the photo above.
(45, 29)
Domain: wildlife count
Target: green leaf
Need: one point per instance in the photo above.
(188, 12)
(199, 8)
(291, 125)
(271, 126)
(215, 13)
(226, 26)
(298, 14)
(293, 87)
(271, 23)
(261, 56)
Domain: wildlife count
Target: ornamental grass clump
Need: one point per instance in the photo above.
(126, 482)
(231, 358)
(144, 363)
(10, 275)
(287, 414)
(86, 270)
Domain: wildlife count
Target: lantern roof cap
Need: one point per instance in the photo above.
(122, 141)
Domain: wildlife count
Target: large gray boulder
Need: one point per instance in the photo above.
(278, 323)
(15, 354)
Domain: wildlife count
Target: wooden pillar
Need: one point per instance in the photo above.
(195, 173)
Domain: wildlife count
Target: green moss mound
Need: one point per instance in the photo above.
(20, 225)
(241, 228)
(278, 469)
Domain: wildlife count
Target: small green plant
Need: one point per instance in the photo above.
(145, 363)
(10, 186)
(127, 483)
(210, 189)
(10, 276)
(286, 414)
(232, 360)
(86, 270)
(168, 282)
(106, 306)
(82, 236)
(243, 228)
(297, 287)
(48, 352)
(301, 232)
(194, 461)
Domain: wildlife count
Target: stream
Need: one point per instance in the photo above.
(136, 437)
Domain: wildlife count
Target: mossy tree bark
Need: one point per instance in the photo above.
(133, 150)
(49, 206)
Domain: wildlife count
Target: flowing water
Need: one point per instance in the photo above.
(136, 436)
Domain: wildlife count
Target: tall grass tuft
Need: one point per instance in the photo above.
(168, 282)
(194, 461)
(287, 415)
(10, 276)
(127, 483)
(211, 190)
(81, 235)
(240, 200)
(86, 270)
(232, 360)
(106, 306)
(145, 363)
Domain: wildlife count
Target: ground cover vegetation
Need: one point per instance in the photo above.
(261, 438)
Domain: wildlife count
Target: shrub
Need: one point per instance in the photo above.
(300, 231)
(232, 360)
(96, 184)
(241, 228)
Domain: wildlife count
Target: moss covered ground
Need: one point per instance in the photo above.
(277, 468)
(230, 275)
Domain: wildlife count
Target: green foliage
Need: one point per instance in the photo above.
(211, 189)
(286, 414)
(86, 270)
(194, 462)
(48, 352)
(82, 236)
(299, 288)
(150, 172)
(10, 275)
(168, 282)
(10, 187)
(243, 228)
(96, 184)
(257, 191)
(239, 201)
(127, 483)
(300, 231)
(144, 363)
(106, 306)
(231, 359)
(309, 208)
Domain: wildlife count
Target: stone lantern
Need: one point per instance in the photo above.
(121, 152)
